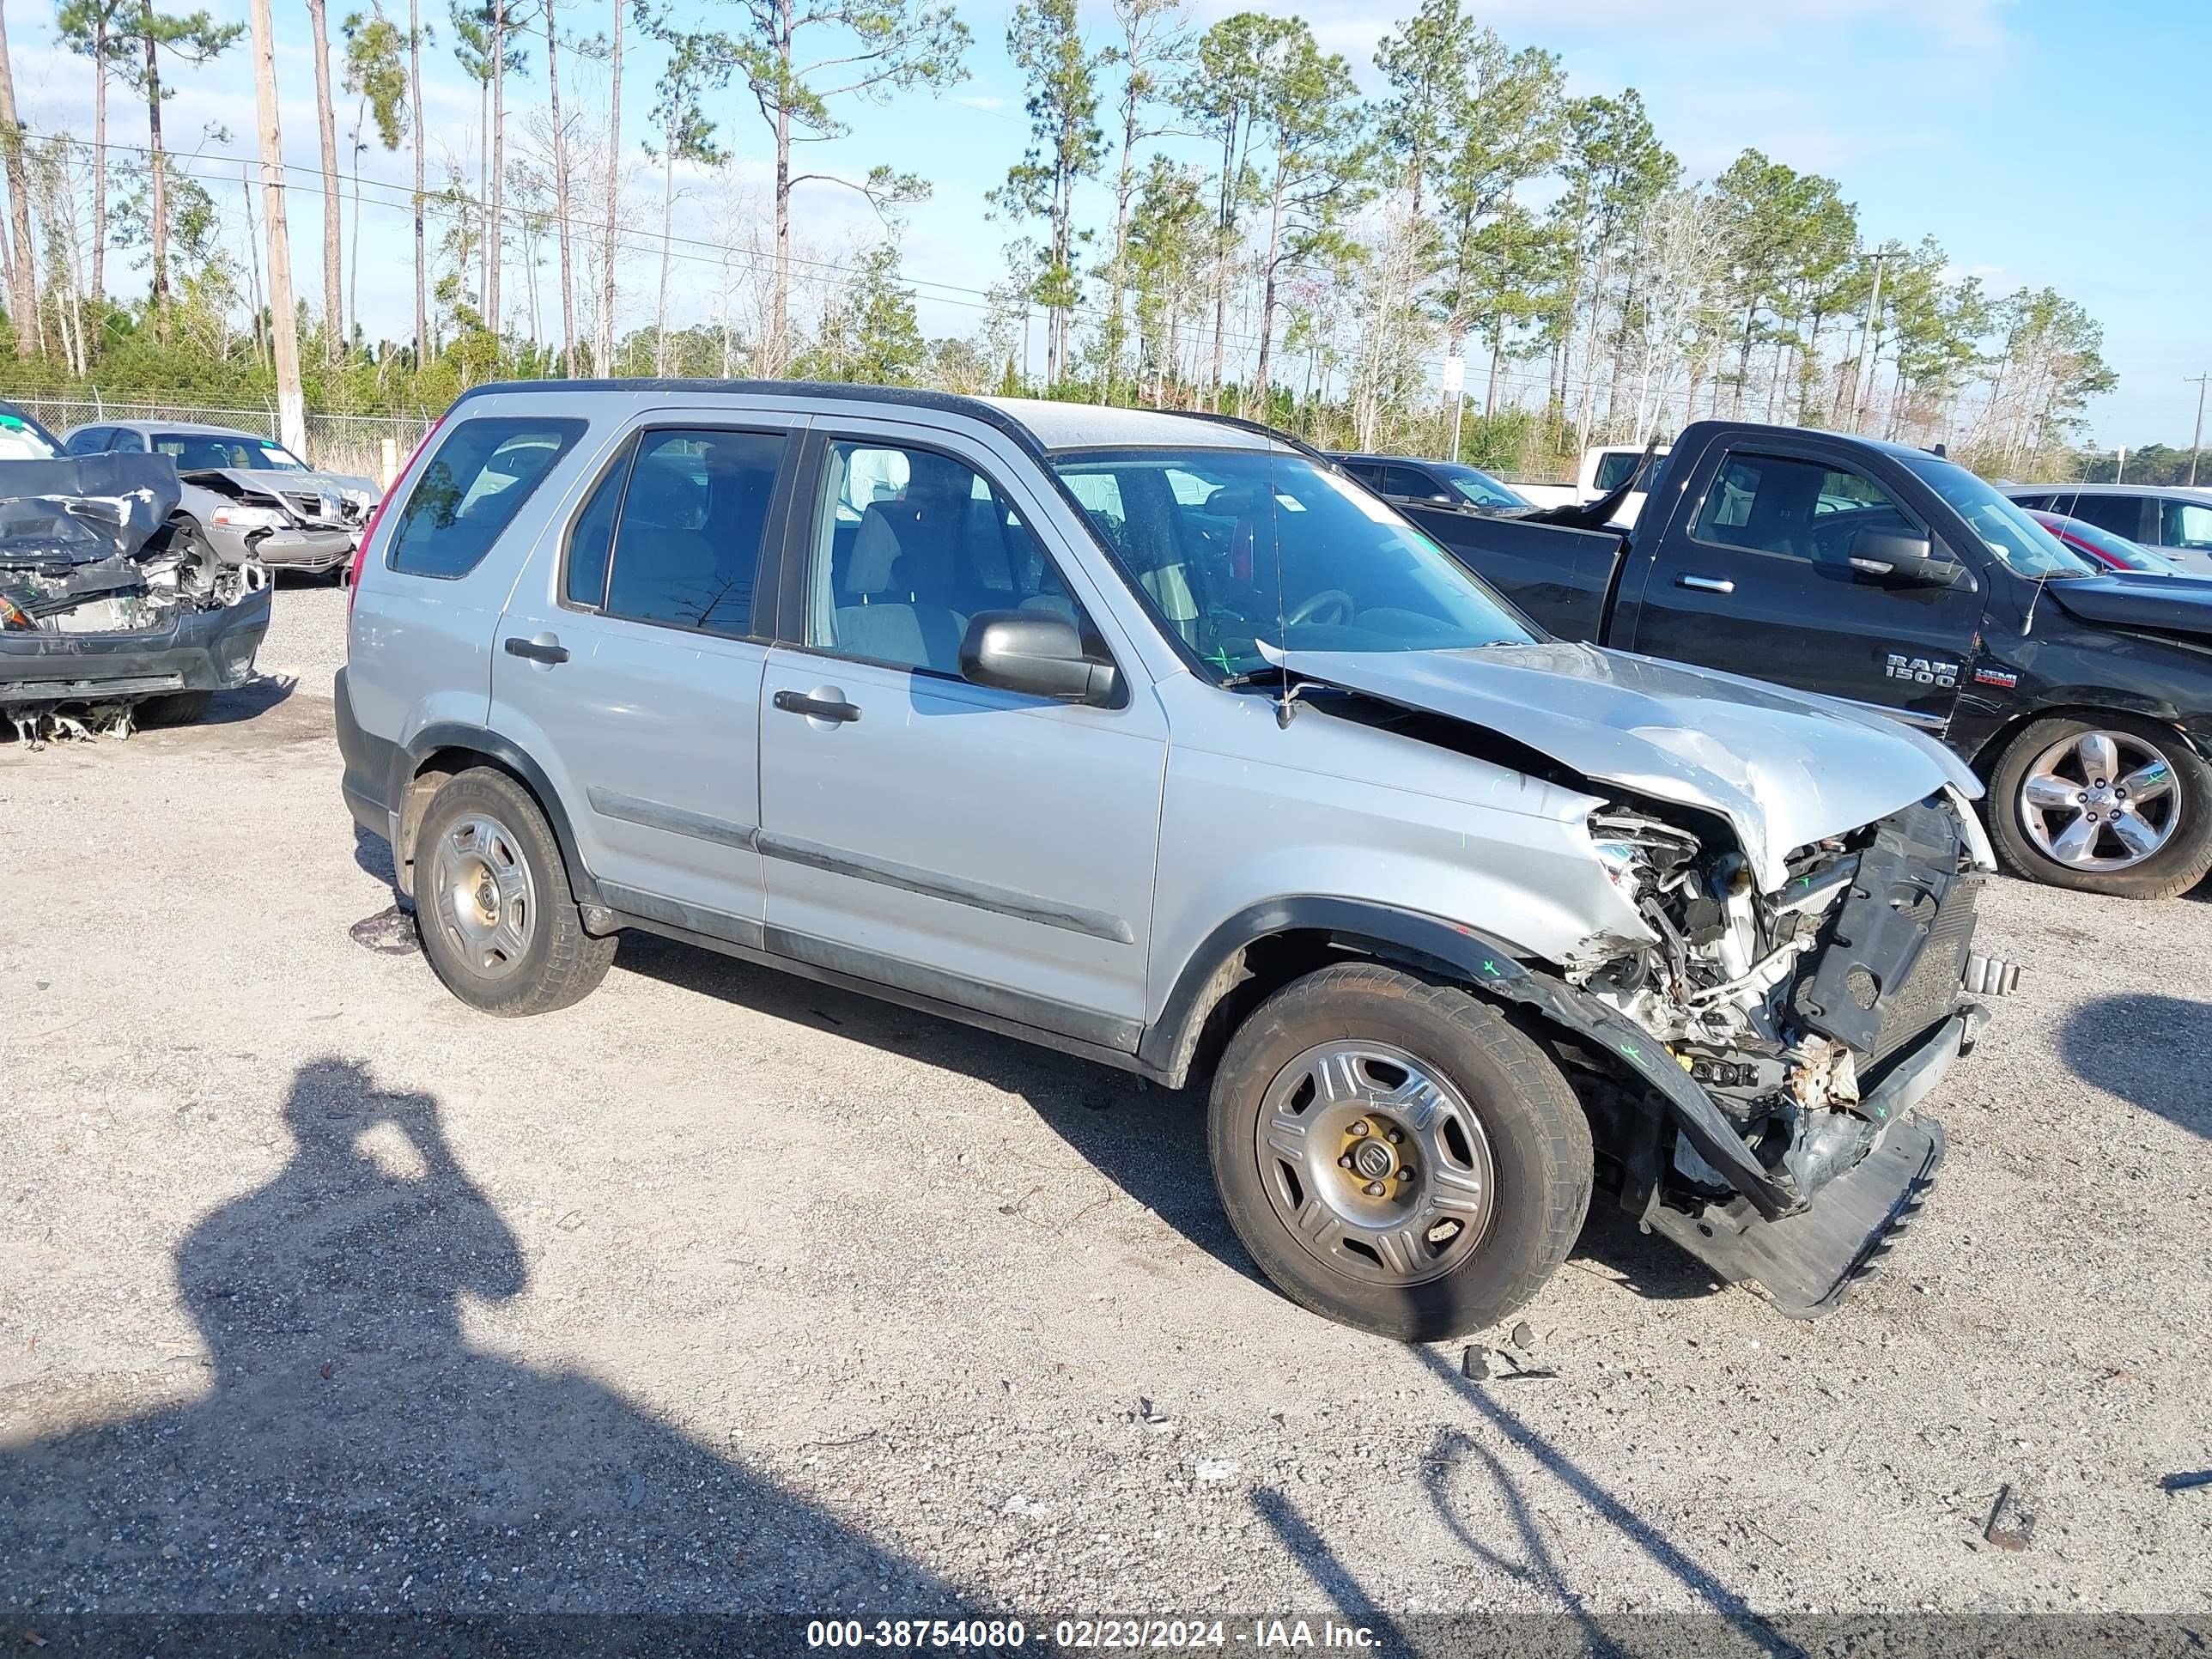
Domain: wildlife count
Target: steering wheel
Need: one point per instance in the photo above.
(1335, 600)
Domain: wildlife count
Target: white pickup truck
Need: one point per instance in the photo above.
(1604, 468)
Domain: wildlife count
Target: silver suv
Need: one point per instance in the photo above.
(1156, 739)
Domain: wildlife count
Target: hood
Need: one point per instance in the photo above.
(1784, 768)
(80, 509)
(296, 490)
(2170, 604)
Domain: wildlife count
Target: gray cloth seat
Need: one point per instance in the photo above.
(900, 545)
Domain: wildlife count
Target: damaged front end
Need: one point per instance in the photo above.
(1808, 1019)
(102, 607)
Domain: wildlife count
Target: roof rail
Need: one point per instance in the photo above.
(1261, 427)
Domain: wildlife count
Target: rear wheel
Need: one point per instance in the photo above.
(2110, 803)
(1394, 1155)
(493, 904)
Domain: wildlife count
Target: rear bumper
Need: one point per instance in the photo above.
(205, 651)
(1805, 1264)
(371, 763)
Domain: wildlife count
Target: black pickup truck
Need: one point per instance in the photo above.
(1899, 581)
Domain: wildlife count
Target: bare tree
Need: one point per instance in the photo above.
(415, 97)
(561, 190)
(291, 407)
(326, 125)
(604, 344)
(23, 273)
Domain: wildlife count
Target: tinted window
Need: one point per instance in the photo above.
(1405, 482)
(1479, 486)
(584, 580)
(688, 545)
(471, 489)
(87, 441)
(2185, 524)
(2003, 526)
(1775, 504)
(1613, 470)
(1231, 547)
(909, 544)
(2120, 514)
(127, 442)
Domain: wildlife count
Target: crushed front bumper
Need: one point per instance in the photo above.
(1805, 1263)
(203, 651)
(306, 549)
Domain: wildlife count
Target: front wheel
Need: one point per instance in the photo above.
(2108, 804)
(492, 904)
(1394, 1155)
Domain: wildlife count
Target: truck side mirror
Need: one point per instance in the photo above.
(1034, 652)
(1896, 560)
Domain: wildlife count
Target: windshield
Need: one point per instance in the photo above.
(2004, 526)
(1478, 487)
(197, 451)
(24, 439)
(1231, 547)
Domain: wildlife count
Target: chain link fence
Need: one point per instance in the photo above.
(374, 445)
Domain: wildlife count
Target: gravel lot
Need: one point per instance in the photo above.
(722, 1290)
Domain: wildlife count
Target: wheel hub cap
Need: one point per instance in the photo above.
(1375, 1163)
(486, 903)
(2100, 801)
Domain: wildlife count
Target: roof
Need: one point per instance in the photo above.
(2164, 492)
(1059, 425)
(189, 429)
(1041, 423)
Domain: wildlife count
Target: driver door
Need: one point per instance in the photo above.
(1754, 577)
(980, 846)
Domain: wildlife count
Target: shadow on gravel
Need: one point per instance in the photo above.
(355, 1452)
(250, 701)
(2147, 1051)
(1645, 1263)
(1540, 1569)
(1147, 1141)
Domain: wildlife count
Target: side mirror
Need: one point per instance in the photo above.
(1901, 560)
(1034, 652)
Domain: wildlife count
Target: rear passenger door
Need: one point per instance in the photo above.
(629, 661)
(984, 847)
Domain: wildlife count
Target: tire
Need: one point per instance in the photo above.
(1514, 1173)
(492, 904)
(173, 709)
(2051, 758)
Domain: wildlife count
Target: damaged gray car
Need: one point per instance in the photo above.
(248, 496)
(1157, 741)
(112, 613)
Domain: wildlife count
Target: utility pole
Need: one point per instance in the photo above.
(2196, 438)
(283, 316)
(1860, 376)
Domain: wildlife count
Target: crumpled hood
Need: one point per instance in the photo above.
(2172, 604)
(266, 481)
(1784, 768)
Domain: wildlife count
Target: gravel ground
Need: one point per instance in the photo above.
(723, 1290)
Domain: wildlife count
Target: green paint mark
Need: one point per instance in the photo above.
(1488, 966)
(1632, 1052)
(1220, 659)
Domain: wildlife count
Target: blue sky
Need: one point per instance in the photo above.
(2039, 141)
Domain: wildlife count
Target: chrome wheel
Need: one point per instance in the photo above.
(486, 903)
(1375, 1164)
(2099, 800)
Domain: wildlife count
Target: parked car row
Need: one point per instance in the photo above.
(1159, 740)
(134, 561)
(2170, 519)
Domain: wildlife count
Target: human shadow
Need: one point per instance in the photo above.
(1726, 1623)
(2149, 1050)
(1148, 1141)
(355, 1453)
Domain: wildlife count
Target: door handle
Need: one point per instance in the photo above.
(547, 650)
(820, 709)
(1706, 584)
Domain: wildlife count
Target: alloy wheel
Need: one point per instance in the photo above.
(2099, 800)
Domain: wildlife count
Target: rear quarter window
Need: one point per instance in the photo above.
(475, 483)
